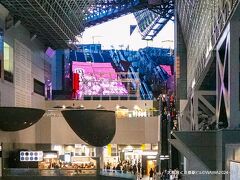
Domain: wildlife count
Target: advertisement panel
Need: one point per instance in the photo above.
(96, 79)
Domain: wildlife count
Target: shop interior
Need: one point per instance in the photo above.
(76, 159)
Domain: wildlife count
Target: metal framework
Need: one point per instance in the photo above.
(57, 22)
(105, 10)
(202, 22)
(205, 25)
(152, 20)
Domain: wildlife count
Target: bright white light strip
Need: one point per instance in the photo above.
(162, 157)
(50, 156)
(149, 153)
(151, 157)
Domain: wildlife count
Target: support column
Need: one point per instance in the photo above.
(194, 111)
(180, 63)
(234, 71)
(99, 154)
(227, 54)
(222, 78)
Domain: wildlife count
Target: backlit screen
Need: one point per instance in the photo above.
(96, 79)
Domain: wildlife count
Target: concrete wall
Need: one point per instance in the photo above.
(22, 36)
(136, 131)
(19, 39)
(55, 130)
(234, 98)
(202, 145)
(180, 63)
(128, 131)
(52, 127)
(61, 132)
(209, 150)
(225, 149)
(232, 153)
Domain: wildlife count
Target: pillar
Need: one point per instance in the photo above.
(227, 64)
(99, 154)
(194, 111)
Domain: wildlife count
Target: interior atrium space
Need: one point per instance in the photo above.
(120, 89)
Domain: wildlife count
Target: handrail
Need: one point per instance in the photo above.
(48, 172)
(117, 173)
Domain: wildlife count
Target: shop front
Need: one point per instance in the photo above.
(76, 159)
(48, 160)
(125, 158)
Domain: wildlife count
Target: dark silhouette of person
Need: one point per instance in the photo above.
(134, 169)
(139, 167)
(151, 173)
(143, 172)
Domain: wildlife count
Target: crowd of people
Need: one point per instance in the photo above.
(62, 165)
(138, 170)
(125, 166)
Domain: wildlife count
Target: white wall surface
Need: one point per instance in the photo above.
(20, 92)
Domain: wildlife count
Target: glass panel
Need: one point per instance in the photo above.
(8, 62)
(39, 87)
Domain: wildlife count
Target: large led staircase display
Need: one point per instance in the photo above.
(140, 74)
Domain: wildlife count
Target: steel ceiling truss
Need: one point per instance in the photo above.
(152, 20)
(105, 10)
(55, 22)
(202, 22)
(165, 8)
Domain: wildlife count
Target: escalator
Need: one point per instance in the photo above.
(148, 94)
(88, 57)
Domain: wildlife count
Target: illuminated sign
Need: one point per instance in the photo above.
(31, 155)
(96, 79)
(234, 170)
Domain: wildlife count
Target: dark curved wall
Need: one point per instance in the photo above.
(95, 127)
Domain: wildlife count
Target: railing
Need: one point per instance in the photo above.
(136, 114)
(26, 172)
(110, 97)
(118, 173)
(48, 172)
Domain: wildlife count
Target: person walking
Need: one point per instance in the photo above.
(151, 174)
(142, 172)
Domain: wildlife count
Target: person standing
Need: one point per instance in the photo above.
(134, 169)
(139, 167)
